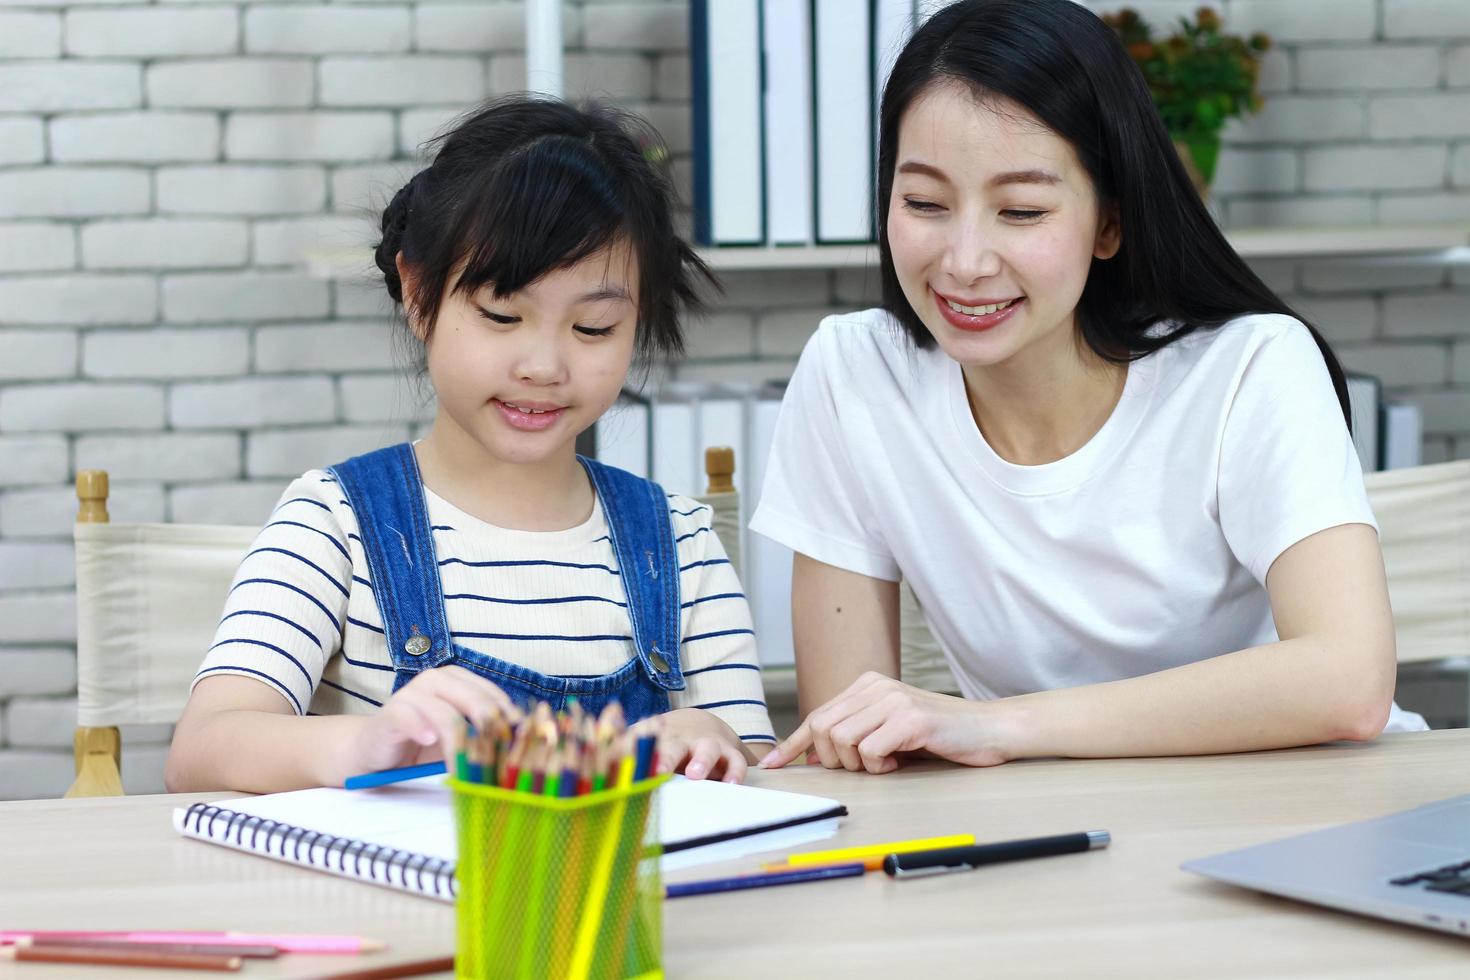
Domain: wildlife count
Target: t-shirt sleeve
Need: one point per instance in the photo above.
(812, 499)
(1288, 467)
(283, 616)
(718, 649)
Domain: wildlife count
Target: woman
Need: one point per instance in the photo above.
(1113, 465)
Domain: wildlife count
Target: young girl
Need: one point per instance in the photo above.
(393, 596)
(1112, 464)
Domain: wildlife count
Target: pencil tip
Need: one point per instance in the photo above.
(373, 945)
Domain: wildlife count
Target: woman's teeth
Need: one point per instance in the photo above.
(978, 310)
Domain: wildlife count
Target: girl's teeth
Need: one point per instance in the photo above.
(530, 411)
(978, 310)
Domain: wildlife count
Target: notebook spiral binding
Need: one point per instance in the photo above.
(440, 873)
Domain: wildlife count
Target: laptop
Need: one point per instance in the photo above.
(1412, 866)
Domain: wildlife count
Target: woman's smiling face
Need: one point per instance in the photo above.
(993, 224)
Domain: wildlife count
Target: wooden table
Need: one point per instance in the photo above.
(1123, 912)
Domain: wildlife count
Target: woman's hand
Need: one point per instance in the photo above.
(878, 718)
(698, 744)
(424, 720)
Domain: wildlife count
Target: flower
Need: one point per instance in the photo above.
(1198, 76)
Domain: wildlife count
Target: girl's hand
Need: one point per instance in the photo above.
(698, 744)
(869, 725)
(424, 720)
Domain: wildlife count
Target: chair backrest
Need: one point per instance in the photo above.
(1423, 517)
(723, 499)
(1424, 526)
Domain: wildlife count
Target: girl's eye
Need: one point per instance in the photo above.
(1022, 214)
(593, 331)
(500, 318)
(923, 207)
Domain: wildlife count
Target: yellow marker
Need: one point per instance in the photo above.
(879, 850)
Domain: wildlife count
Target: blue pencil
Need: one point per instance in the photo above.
(370, 779)
(716, 885)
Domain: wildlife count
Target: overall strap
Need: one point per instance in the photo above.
(637, 512)
(387, 495)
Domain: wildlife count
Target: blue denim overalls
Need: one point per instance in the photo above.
(386, 493)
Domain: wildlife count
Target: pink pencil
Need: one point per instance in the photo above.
(288, 943)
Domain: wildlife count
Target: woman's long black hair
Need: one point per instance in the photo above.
(1068, 68)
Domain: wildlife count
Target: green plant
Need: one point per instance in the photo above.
(1199, 77)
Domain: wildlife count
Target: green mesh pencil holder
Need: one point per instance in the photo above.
(558, 887)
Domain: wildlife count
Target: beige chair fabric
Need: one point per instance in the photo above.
(1423, 517)
(1424, 525)
(726, 522)
(148, 601)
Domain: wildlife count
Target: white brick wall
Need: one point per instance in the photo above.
(153, 32)
(252, 189)
(195, 352)
(334, 136)
(135, 137)
(70, 192)
(36, 247)
(30, 34)
(60, 86)
(232, 83)
(27, 355)
(165, 243)
(168, 169)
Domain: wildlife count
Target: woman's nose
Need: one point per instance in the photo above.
(970, 256)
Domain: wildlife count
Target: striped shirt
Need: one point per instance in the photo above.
(301, 615)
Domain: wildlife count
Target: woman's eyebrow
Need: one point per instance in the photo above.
(1033, 176)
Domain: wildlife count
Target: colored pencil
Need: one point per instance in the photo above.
(843, 854)
(328, 945)
(717, 885)
(417, 968)
(383, 777)
(196, 949)
(79, 955)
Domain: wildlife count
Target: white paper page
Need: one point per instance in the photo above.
(416, 816)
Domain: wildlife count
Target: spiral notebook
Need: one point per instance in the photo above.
(402, 836)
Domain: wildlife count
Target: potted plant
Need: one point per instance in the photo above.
(1199, 78)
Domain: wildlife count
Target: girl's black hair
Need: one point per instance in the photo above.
(523, 186)
(1068, 68)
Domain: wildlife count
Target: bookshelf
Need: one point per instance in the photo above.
(1428, 244)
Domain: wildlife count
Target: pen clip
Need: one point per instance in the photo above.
(934, 869)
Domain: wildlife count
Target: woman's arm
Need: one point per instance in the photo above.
(1330, 676)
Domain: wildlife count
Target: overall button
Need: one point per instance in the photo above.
(417, 645)
(657, 659)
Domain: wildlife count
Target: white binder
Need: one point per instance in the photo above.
(787, 29)
(842, 55)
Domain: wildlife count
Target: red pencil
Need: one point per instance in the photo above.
(119, 957)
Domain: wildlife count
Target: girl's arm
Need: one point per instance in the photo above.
(1330, 676)
(238, 734)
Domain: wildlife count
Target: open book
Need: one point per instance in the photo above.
(403, 835)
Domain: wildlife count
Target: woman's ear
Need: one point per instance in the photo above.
(1109, 234)
(408, 281)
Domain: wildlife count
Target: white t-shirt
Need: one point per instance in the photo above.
(1145, 549)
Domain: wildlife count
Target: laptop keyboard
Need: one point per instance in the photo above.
(1453, 879)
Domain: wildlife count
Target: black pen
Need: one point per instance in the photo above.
(944, 859)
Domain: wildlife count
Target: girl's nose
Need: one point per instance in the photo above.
(541, 363)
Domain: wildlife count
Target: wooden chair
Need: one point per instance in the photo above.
(1423, 517)
(148, 602)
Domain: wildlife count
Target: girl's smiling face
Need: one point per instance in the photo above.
(522, 375)
(993, 224)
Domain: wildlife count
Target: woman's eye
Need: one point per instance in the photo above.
(593, 331)
(924, 207)
(1022, 214)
